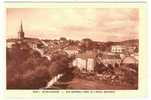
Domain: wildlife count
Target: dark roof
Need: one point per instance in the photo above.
(86, 54)
(110, 57)
(12, 40)
(71, 48)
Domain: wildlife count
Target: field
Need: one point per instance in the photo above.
(85, 84)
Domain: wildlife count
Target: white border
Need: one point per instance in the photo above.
(2, 48)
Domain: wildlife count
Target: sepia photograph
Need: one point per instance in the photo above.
(74, 48)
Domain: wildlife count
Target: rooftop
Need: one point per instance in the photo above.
(87, 54)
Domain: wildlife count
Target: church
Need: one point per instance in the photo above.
(21, 34)
(22, 39)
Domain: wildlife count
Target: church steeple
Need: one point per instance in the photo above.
(21, 32)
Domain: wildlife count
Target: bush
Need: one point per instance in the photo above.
(26, 69)
(100, 68)
(59, 64)
(36, 78)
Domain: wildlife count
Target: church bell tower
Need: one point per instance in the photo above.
(21, 32)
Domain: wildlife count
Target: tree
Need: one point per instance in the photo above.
(136, 49)
(59, 64)
(86, 44)
(35, 79)
(26, 69)
(107, 46)
(63, 39)
(99, 68)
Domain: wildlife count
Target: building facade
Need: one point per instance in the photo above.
(117, 49)
(85, 61)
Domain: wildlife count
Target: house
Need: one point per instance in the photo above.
(110, 59)
(117, 48)
(85, 61)
(131, 49)
(9, 44)
(71, 50)
(135, 55)
(122, 55)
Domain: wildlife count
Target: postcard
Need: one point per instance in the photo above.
(76, 50)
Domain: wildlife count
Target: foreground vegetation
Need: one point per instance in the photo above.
(27, 69)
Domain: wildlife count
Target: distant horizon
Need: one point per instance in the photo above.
(98, 24)
(72, 39)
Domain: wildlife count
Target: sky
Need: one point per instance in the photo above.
(99, 24)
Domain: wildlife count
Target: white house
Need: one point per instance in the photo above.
(71, 50)
(9, 44)
(80, 63)
(107, 59)
(85, 61)
(117, 48)
(135, 55)
(90, 64)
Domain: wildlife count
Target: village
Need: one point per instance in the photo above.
(104, 60)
